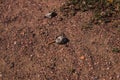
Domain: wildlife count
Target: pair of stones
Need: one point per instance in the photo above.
(60, 39)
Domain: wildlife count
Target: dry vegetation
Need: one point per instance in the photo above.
(104, 10)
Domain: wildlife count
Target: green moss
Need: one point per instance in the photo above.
(103, 10)
(116, 50)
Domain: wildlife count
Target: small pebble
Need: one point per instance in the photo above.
(50, 15)
(82, 57)
(0, 74)
(61, 40)
(15, 42)
(60, 19)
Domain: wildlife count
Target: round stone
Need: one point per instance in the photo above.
(61, 40)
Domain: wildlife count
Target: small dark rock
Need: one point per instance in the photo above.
(33, 34)
(60, 19)
(12, 65)
(50, 15)
(61, 40)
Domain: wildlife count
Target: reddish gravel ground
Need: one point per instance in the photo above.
(25, 33)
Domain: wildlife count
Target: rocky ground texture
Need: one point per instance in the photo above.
(92, 53)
